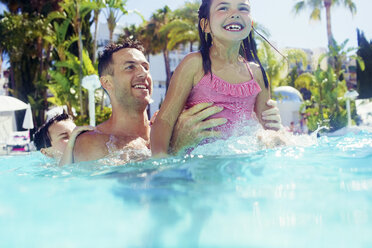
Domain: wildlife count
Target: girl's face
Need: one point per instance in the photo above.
(230, 19)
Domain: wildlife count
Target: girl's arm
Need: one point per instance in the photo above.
(262, 98)
(174, 102)
(68, 156)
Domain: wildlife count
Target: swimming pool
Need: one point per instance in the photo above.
(310, 196)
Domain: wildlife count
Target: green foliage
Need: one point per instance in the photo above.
(326, 107)
(296, 63)
(21, 38)
(64, 83)
(102, 115)
(183, 28)
(273, 65)
(81, 120)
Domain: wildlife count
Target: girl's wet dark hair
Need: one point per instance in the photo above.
(248, 47)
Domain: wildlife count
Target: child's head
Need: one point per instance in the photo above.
(226, 19)
(54, 134)
(234, 17)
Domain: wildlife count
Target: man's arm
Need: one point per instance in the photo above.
(191, 126)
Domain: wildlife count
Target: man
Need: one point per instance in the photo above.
(56, 137)
(125, 75)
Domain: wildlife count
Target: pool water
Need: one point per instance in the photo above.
(319, 195)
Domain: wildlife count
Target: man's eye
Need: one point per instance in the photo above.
(130, 67)
(244, 9)
(222, 8)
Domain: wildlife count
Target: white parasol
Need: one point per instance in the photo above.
(8, 103)
(28, 123)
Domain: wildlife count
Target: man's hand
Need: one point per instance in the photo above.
(191, 126)
(271, 116)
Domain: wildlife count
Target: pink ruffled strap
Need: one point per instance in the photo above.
(245, 89)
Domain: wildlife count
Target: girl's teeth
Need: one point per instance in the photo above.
(233, 27)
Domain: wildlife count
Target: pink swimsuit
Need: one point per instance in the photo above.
(237, 99)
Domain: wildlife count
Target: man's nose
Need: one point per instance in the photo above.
(142, 72)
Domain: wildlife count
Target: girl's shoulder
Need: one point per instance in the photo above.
(254, 67)
(193, 59)
(257, 73)
(192, 63)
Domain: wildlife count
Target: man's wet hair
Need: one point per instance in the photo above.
(105, 57)
(42, 136)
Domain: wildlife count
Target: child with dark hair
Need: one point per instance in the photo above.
(226, 71)
(56, 138)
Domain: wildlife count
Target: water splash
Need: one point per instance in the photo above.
(134, 151)
(253, 138)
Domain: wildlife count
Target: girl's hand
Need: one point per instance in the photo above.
(68, 157)
(78, 130)
(271, 117)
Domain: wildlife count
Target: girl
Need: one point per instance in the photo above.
(217, 73)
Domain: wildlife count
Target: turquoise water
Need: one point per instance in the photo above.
(318, 195)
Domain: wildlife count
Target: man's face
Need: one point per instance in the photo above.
(59, 134)
(132, 83)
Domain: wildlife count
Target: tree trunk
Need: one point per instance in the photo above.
(167, 68)
(111, 34)
(327, 5)
(45, 95)
(96, 14)
(320, 102)
(1, 60)
(40, 55)
(80, 48)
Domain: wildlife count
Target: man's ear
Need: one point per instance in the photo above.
(106, 82)
(204, 24)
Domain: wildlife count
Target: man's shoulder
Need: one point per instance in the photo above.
(90, 146)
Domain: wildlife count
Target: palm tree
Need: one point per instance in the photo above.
(74, 11)
(184, 26)
(97, 10)
(159, 39)
(316, 7)
(273, 65)
(113, 12)
(60, 44)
